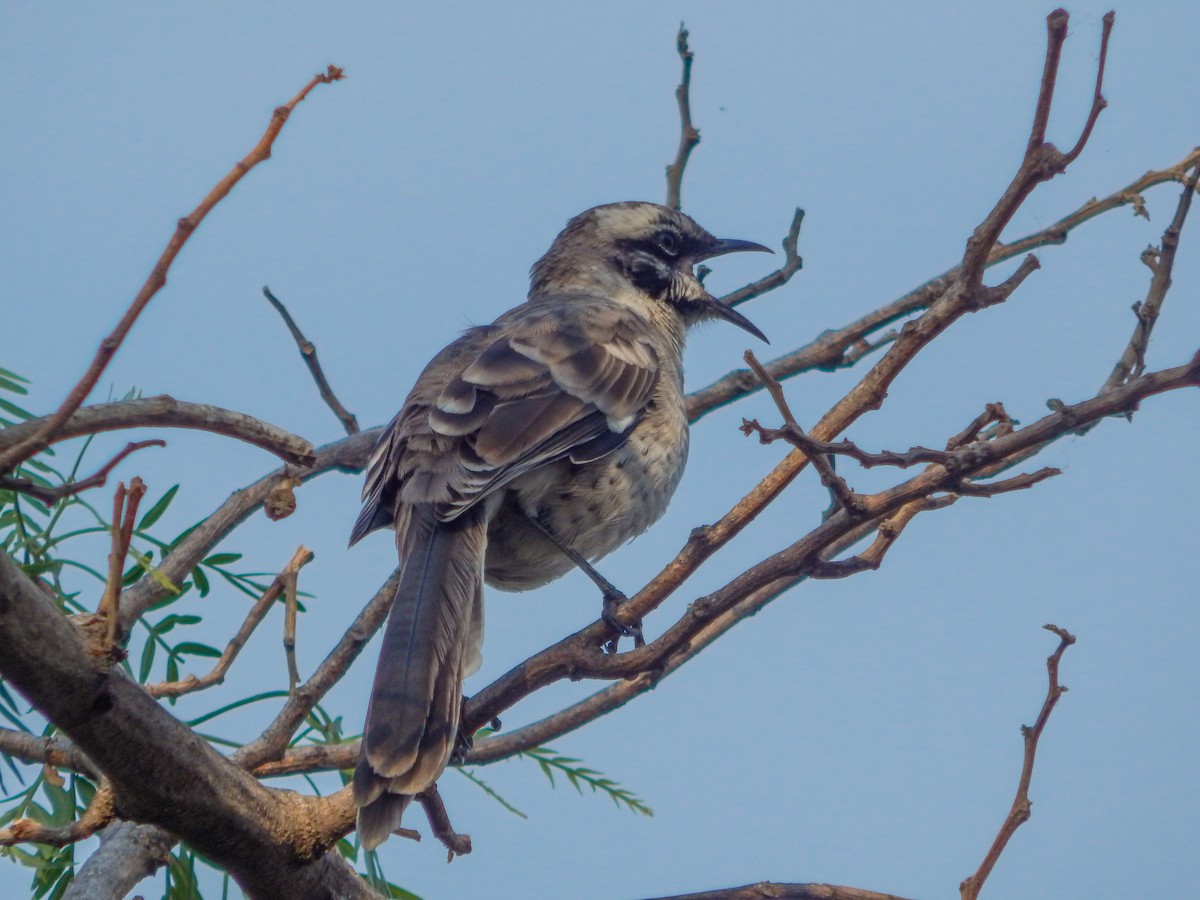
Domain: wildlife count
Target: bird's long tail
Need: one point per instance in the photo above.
(431, 644)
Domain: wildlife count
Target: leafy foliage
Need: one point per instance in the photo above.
(550, 761)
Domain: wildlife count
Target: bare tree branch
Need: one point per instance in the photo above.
(1161, 263)
(689, 137)
(98, 814)
(308, 352)
(44, 436)
(792, 263)
(348, 453)
(845, 346)
(167, 412)
(1020, 812)
(51, 495)
(767, 890)
(124, 515)
(578, 656)
(52, 750)
(273, 741)
(257, 613)
(128, 853)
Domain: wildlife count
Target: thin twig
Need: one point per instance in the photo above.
(124, 516)
(792, 263)
(274, 739)
(845, 346)
(289, 630)
(616, 695)
(689, 137)
(257, 613)
(158, 277)
(1042, 160)
(345, 454)
(1020, 811)
(308, 352)
(1099, 104)
(51, 495)
(1162, 263)
(834, 483)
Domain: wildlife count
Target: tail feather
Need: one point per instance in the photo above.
(413, 718)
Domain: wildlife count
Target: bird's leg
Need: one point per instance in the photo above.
(463, 743)
(613, 598)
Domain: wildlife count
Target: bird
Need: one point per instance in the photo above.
(540, 442)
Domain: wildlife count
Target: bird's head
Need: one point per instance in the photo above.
(642, 254)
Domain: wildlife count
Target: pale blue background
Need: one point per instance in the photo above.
(863, 732)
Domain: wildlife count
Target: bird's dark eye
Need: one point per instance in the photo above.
(669, 242)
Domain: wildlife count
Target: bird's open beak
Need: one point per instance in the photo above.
(721, 310)
(729, 314)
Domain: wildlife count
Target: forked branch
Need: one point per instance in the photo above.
(37, 442)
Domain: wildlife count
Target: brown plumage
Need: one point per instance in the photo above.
(565, 418)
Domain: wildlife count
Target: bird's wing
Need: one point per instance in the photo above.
(561, 378)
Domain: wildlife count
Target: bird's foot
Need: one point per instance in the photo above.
(613, 600)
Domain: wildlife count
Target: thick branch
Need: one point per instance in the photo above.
(128, 853)
(768, 890)
(273, 843)
(44, 436)
(52, 750)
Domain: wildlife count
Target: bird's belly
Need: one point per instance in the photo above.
(593, 508)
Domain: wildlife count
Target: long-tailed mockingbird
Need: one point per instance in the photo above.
(546, 439)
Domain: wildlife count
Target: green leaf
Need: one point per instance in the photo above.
(155, 512)
(169, 622)
(14, 376)
(60, 886)
(470, 775)
(159, 578)
(147, 660)
(192, 648)
(265, 695)
(222, 559)
(201, 581)
(15, 410)
(13, 387)
(549, 760)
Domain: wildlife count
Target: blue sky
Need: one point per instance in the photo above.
(862, 732)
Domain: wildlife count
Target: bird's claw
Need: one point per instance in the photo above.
(608, 613)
